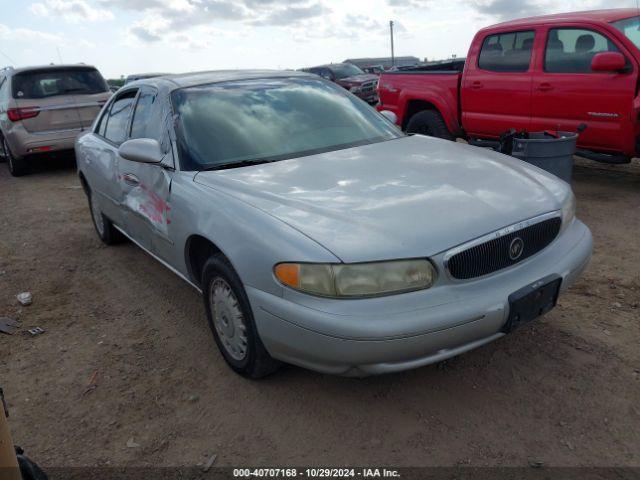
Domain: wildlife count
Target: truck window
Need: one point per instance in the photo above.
(507, 52)
(570, 50)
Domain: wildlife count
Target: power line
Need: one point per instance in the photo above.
(7, 57)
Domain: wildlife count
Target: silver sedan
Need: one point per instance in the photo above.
(318, 233)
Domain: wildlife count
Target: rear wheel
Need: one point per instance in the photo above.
(430, 123)
(231, 320)
(17, 166)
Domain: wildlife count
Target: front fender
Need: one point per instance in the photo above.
(252, 240)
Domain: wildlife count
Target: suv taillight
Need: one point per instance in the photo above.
(16, 114)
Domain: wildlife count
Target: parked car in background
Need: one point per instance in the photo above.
(318, 233)
(350, 77)
(43, 109)
(141, 76)
(555, 72)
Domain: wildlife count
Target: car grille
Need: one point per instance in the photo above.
(369, 87)
(496, 254)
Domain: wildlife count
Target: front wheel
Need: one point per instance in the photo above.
(430, 123)
(231, 320)
(104, 228)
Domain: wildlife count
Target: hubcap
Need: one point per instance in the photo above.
(97, 217)
(228, 319)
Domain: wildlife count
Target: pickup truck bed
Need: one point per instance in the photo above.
(409, 92)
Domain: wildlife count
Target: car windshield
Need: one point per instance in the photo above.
(631, 29)
(345, 70)
(240, 122)
(50, 83)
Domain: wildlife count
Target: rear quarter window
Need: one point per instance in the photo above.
(507, 52)
(50, 83)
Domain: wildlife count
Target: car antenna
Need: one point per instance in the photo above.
(7, 57)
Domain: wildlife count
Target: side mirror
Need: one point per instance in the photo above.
(608, 62)
(143, 150)
(389, 115)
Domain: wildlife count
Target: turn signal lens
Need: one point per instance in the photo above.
(289, 274)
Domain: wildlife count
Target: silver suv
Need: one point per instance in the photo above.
(43, 109)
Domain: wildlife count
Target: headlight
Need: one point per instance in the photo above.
(568, 211)
(357, 279)
(354, 89)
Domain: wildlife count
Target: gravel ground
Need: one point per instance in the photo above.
(127, 373)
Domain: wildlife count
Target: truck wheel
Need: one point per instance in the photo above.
(231, 320)
(17, 166)
(430, 123)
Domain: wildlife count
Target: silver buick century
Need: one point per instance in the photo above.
(318, 233)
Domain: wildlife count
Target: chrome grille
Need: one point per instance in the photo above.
(494, 254)
(369, 87)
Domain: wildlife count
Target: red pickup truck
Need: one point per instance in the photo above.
(570, 72)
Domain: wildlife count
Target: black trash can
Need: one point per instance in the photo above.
(551, 152)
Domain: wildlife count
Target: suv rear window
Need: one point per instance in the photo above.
(49, 83)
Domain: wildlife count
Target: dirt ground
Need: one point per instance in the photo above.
(563, 391)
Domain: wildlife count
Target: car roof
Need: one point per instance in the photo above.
(601, 16)
(330, 65)
(79, 66)
(192, 79)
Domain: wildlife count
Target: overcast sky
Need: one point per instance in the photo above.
(132, 36)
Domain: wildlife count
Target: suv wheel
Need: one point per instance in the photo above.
(17, 166)
(231, 320)
(430, 123)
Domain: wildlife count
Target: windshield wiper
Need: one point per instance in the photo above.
(241, 163)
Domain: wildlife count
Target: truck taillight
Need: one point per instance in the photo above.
(16, 114)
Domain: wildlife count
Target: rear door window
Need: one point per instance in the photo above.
(570, 50)
(118, 118)
(53, 82)
(507, 52)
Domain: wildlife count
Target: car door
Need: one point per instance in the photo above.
(496, 87)
(100, 156)
(147, 187)
(567, 93)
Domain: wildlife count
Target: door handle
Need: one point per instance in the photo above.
(476, 85)
(130, 179)
(545, 87)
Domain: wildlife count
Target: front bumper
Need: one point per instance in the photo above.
(435, 324)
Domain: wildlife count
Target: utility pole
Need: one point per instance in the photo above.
(393, 58)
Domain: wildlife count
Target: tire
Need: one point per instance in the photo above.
(104, 227)
(17, 166)
(3, 153)
(430, 123)
(231, 320)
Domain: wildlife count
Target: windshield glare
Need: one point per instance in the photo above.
(345, 70)
(631, 29)
(271, 119)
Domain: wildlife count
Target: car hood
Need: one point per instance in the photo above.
(359, 79)
(410, 197)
